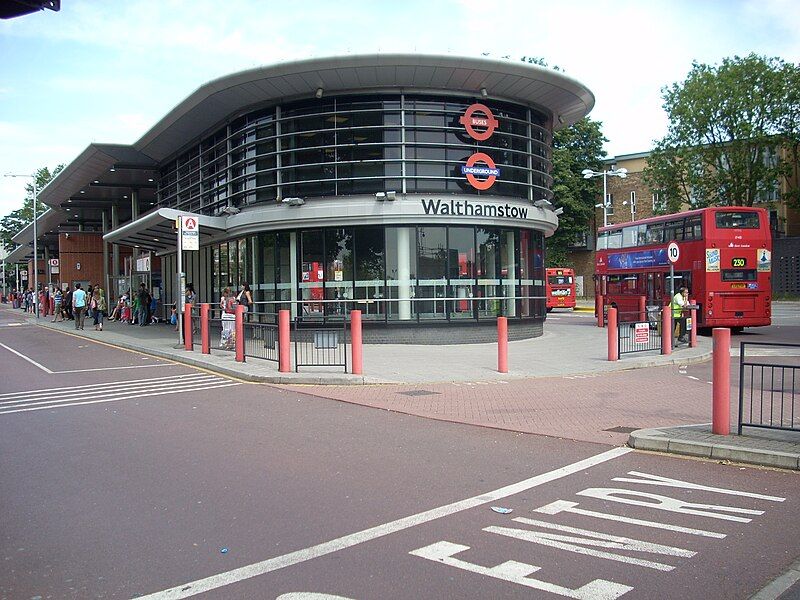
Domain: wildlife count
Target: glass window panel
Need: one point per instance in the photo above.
(338, 271)
(432, 272)
(488, 271)
(312, 271)
(369, 272)
(461, 271)
(283, 280)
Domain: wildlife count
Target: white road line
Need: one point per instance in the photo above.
(122, 391)
(30, 360)
(116, 368)
(101, 385)
(55, 406)
(279, 562)
(693, 377)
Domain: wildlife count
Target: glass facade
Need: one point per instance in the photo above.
(390, 273)
(345, 145)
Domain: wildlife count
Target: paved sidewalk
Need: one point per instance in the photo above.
(760, 447)
(560, 385)
(569, 346)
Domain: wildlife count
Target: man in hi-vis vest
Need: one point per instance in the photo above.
(679, 300)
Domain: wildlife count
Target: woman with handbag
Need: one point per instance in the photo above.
(228, 305)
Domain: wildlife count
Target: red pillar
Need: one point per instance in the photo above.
(721, 388)
(598, 309)
(355, 331)
(205, 337)
(693, 332)
(284, 342)
(642, 308)
(613, 334)
(666, 330)
(239, 325)
(502, 344)
(188, 342)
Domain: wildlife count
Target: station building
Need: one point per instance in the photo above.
(416, 188)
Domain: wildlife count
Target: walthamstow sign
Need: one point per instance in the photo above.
(467, 208)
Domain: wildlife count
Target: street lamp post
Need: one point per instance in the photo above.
(588, 174)
(35, 247)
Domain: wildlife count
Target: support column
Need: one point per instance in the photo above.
(134, 205)
(114, 247)
(106, 279)
(404, 273)
(293, 260)
(511, 276)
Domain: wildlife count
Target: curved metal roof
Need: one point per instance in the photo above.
(565, 98)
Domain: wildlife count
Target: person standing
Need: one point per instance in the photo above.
(144, 304)
(679, 301)
(191, 298)
(79, 305)
(58, 298)
(68, 304)
(99, 307)
(245, 297)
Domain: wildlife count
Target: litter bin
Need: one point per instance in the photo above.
(326, 339)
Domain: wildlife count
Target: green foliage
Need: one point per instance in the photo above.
(733, 136)
(17, 220)
(575, 148)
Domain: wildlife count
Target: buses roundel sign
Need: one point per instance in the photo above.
(479, 115)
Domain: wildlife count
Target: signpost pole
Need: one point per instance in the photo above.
(179, 299)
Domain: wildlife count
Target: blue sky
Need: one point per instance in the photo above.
(106, 71)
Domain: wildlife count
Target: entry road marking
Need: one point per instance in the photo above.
(116, 368)
(279, 562)
(30, 360)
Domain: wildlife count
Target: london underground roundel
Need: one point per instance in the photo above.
(479, 115)
(471, 169)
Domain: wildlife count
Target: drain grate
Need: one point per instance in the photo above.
(419, 393)
(622, 429)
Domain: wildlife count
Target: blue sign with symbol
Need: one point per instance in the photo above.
(640, 259)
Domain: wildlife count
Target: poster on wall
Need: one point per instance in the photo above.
(712, 260)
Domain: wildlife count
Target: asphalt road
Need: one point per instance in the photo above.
(126, 476)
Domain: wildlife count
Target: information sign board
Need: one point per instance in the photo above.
(641, 333)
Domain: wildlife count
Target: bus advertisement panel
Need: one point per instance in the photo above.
(560, 288)
(725, 261)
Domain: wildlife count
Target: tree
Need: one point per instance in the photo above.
(732, 136)
(575, 148)
(17, 220)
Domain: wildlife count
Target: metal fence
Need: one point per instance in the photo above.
(768, 394)
(318, 344)
(638, 331)
(261, 336)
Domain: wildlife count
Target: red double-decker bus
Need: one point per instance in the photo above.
(725, 261)
(560, 288)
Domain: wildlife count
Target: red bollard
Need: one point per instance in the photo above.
(598, 309)
(188, 342)
(355, 334)
(239, 324)
(284, 342)
(205, 337)
(642, 308)
(613, 334)
(693, 331)
(666, 330)
(721, 388)
(502, 344)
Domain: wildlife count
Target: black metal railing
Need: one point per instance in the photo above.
(768, 388)
(318, 344)
(638, 331)
(261, 336)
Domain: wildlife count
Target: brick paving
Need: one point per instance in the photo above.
(580, 408)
